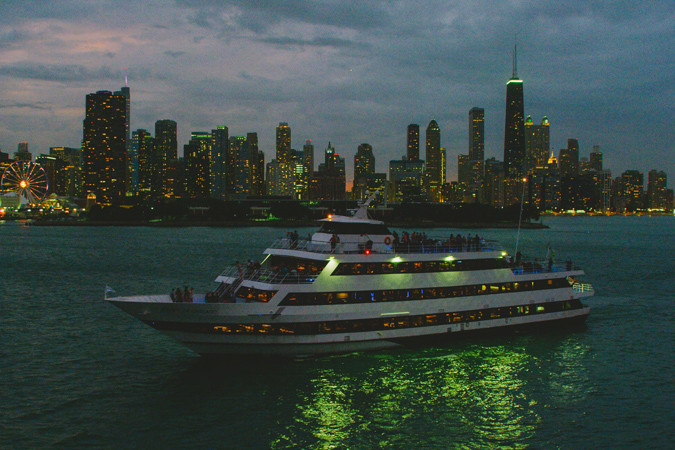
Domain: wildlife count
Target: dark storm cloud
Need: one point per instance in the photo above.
(69, 72)
(258, 15)
(34, 106)
(314, 42)
(55, 72)
(73, 11)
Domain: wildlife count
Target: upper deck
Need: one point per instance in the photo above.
(386, 245)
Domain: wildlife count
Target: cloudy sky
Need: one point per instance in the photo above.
(347, 71)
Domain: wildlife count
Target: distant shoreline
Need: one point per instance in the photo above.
(308, 223)
(278, 224)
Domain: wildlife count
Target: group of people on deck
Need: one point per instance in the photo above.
(464, 243)
(420, 240)
(184, 296)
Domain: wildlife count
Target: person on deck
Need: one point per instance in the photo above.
(549, 257)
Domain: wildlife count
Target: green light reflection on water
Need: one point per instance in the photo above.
(329, 409)
(474, 396)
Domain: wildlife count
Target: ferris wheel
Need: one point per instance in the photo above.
(27, 179)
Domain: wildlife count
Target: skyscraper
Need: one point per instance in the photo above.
(493, 191)
(68, 180)
(413, 142)
(364, 167)
(435, 161)
(197, 165)
(364, 161)
(537, 143)
(328, 183)
(243, 166)
(146, 165)
(475, 165)
(657, 190)
(477, 134)
(514, 140)
(596, 159)
(408, 180)
(166, 147)
(284, 160)
(104, 147)
(283, 142)
(126, 93)
(568, 159)
(222, 165)
(308, 155)
(463, 169)
(257, 165)
(632, 190)
(22, 153)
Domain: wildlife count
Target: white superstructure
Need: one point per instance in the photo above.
(357, 286)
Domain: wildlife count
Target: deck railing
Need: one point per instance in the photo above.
(530, 266)
(582, 287)
(269, 276)
(431, 245)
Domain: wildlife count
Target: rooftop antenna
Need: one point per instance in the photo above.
(125, 76)
(515, 60)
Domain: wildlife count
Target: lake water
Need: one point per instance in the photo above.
(75, 371)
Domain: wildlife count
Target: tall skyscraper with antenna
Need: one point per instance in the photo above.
(126, 92)
(514, 123)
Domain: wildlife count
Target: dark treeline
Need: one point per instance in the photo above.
(283, 211)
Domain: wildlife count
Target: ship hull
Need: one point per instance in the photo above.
(197, 327)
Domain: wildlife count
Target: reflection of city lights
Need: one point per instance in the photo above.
(485, 394)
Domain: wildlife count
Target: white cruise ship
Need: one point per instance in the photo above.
(355, 286)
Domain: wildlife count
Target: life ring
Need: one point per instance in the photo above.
(387, 240)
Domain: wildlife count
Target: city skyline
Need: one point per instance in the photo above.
(339, 73)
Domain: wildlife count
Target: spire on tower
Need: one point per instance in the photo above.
(515, 60)
(125, 76)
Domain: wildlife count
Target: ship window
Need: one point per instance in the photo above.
(343, 326)
(377, 268)
(301, 266)
(393, 295)
(255, 295)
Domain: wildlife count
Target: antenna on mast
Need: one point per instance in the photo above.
(515, 60)
(125, 76)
